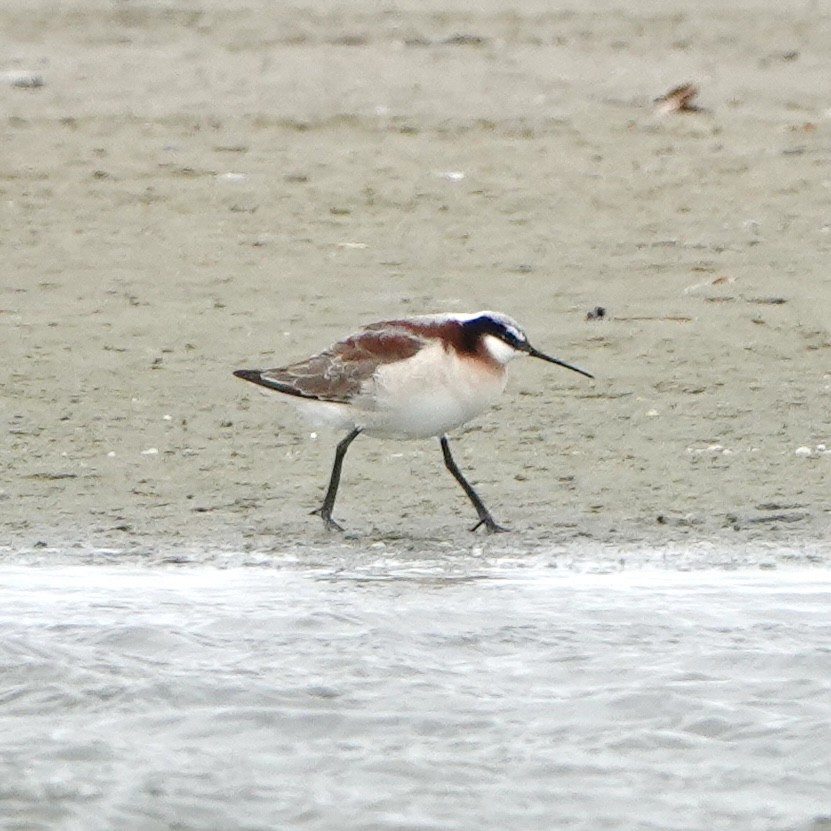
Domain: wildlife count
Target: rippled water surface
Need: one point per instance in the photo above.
(515, 699)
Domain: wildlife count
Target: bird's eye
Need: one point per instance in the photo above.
(514, 338)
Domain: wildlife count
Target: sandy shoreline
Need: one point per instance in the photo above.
(193, 190)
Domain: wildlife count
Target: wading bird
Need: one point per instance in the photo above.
(411, 378)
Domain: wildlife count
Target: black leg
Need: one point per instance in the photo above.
(485, 517)
(325, 510)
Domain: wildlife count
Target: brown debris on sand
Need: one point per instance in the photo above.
(678, 100)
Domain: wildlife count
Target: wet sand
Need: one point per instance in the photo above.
(193, 188)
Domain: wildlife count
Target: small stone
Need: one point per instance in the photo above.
(22, 79)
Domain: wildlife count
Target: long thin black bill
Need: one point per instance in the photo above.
(535, 353)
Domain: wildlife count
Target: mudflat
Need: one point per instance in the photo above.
(191, 188)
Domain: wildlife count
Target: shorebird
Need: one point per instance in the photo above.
(411, 378)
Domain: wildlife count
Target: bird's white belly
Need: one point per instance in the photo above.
(427, 395)
(326, 413)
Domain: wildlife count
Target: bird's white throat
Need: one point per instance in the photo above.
(499, 350)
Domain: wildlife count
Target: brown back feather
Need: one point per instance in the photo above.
(338, 374)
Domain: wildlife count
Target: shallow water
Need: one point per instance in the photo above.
(315, 699)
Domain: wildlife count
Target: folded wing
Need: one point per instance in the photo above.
(339, 374)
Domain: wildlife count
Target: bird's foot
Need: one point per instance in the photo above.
(491, 526)
(326, 516)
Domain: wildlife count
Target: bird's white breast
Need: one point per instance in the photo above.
(428, 394)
